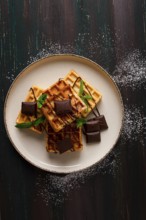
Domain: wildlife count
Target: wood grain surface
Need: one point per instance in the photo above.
(113, 34)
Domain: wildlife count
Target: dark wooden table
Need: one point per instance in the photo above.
(113, 34)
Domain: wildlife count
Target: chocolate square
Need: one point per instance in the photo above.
(29, 108)
(102, 122)
(92, 125)
(63, 107)
(64, 145)
(93, 137)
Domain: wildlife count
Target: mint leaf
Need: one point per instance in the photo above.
(81, 90)
(41, 100)
(87, 97)
(38, 121)
(86, 102)
(83, 96)
(31, 123)
(80, 122)
(24, 125)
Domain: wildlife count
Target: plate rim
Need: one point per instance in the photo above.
(45, 58)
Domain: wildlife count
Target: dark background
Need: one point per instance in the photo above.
(105, 31)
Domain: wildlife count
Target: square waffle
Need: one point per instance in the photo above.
(61, 91)
(74, 80)
(69, 132)
(32, 95)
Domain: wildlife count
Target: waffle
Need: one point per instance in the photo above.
(70, 131)
(32, 95)
(61, 91)
(74, 80)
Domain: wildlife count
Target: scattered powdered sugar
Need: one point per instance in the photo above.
(133, 124)
(56, 188)
(10, 76)
(53, 49)
(131, 71)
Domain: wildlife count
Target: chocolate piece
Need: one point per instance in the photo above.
(64, 145)
(29, 108)
(93, 137)
(92, 125)
(63, 107)
(102, 122)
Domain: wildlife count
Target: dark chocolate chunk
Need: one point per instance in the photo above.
(29, 108)
(102, 122)
(92, 125)
(63, 107)
(64, 145)
(93, 137)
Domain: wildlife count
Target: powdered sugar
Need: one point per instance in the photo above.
(131, 71)
(10, 76)
(53, 49)
(57, 188)
(133, 124)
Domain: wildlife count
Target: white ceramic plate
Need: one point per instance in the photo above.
(43, 73)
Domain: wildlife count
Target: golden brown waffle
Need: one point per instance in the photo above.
(70, 131)
(61, 91)
(32, 95)
(74, 80)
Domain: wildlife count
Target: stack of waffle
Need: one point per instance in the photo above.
(63, 135)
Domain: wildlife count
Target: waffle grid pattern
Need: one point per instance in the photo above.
(74, 80)
(71, 131)
(61, 91)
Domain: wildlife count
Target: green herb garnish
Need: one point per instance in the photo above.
(41, 100)
(31, 123)
(86, 103)
(38, 121)
(80, 122)
(83, 96)
(81, 90)
(24, 125)
(87, 97)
